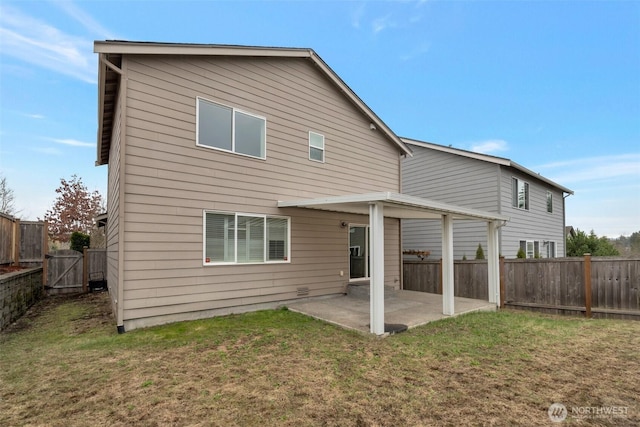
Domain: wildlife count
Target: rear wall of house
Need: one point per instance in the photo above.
(170, 182)
(535, 224)
(451, 179)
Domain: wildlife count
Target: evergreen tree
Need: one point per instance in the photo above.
(582, 243)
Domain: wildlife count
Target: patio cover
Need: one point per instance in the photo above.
(397, 205)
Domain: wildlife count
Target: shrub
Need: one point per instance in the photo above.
(479, 252)
(521, 254)
(79, 241)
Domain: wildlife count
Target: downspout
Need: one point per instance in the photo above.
(499, 196)
(401, 285)
(564, 224)
(121, 201)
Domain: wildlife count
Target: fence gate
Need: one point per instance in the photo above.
(64, 271)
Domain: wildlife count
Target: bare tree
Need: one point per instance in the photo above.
(7, 198)
(74, 209)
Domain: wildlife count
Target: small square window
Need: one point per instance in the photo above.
(316, 147)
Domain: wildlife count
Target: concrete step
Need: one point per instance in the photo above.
(363, 290)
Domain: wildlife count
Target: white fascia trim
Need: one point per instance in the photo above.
(152, 48)
(395, 199)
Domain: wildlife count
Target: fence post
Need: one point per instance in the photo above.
(15, 247)
(587, 285)
(85, 269)
(45, 252)
(502, 282)
(440, 278)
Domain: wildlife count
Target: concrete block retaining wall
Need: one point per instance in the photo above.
(18, 291)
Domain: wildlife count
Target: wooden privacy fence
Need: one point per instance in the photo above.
(72, 271)
(470, 278)
(22, 243)
(601, 287)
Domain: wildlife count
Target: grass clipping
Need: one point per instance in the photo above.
(64, 365)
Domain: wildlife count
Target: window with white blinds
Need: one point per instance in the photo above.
(245, 238)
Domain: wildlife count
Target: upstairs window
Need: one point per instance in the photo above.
(316, 147)
(231, 238)
(226, 128)
(520, 194)
(549, 202)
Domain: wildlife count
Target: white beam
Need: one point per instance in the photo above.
(447, 265)
(376, 227)
(493, 262)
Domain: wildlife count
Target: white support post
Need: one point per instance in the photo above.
(493, 263)
(447, 266)
(376, 227)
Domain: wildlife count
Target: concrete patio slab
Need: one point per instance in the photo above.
(408, 308)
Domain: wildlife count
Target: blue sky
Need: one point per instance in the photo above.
(552, 85)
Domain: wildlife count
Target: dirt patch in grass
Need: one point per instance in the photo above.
(69, 367)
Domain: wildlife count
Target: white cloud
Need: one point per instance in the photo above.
(356, 16)
(489, 146)
(50, 151)
(85, 19)
(73, 142)
(34, 116)
(38, 43)
(381, 24)
(594, 169)
(416, 52)
(403, 17)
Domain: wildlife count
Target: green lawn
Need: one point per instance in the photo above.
(67, 366)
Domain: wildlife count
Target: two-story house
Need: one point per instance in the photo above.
(242, 177)
(534, 204)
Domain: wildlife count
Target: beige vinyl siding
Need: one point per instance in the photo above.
(170, 182)
(535, 224)
(113, 211)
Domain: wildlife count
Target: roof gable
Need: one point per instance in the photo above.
(109, 73)
(502, 161)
